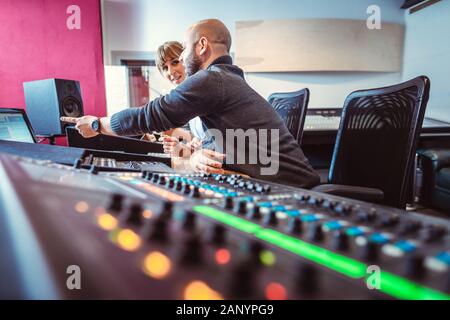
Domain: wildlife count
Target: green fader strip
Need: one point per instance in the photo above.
(391, 284)
(402, 288)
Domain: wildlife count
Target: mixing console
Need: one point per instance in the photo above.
(178, 236)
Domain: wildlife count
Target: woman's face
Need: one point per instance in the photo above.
(173, 70)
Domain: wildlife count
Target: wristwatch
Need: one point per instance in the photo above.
(95, 125)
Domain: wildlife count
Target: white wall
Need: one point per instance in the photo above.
(427, 52)
(156, 21)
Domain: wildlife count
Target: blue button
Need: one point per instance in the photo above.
(378, 238)
(265, 204)
(444, 257)
(309, 218)
(279, 208)
(405, 245)
(354, 231)
(293, 213)
(333, 225)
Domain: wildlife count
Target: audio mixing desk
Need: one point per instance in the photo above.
(156, 235)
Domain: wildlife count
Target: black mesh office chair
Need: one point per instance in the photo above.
(291, 107)
(375, 148)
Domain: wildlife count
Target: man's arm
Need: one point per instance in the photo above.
(199, 95)
(84, 125)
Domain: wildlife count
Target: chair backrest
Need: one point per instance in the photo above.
(377, 138)
(291, 107)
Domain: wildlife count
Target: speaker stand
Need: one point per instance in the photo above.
(51, 139)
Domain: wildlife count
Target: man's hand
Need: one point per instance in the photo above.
(175, 148)
(207, 161)
(83, 125)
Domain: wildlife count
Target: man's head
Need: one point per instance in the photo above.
(204, 42)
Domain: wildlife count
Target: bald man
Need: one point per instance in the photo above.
(217, 92)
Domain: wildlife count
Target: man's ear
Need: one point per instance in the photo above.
(203, 45)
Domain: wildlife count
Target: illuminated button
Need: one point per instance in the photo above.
(332, 225)
(355, 231)
(379, 238)
(223, 256)
(82, 207)
(279, 208)
(439, 263)
(275, 291)
(128, 240)
(147, 214)
(107, 222)
(265, 204)
(293, 213)
(157, 265)
(310, 218)
(198, 290)
(267, 258)
(444, 257)
(399, 248)
(405, 246)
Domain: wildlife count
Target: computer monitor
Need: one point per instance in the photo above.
(15, 126)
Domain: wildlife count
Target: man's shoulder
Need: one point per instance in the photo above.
(202, 78)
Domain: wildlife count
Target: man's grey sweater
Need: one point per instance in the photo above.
(224, 101)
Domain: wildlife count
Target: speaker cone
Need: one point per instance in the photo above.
(71, 107)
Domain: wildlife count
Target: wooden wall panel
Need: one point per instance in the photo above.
(318, 45)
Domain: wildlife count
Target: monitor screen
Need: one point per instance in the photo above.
(13, 127)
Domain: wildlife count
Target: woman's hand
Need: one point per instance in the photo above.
(173, 147)
(207, 161)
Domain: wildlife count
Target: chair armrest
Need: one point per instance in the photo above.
(439, 158)
(354, 192)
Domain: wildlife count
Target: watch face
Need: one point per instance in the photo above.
(95, 125)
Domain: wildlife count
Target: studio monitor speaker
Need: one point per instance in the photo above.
(48, 100)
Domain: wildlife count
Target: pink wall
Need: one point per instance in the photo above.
(35, 43)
